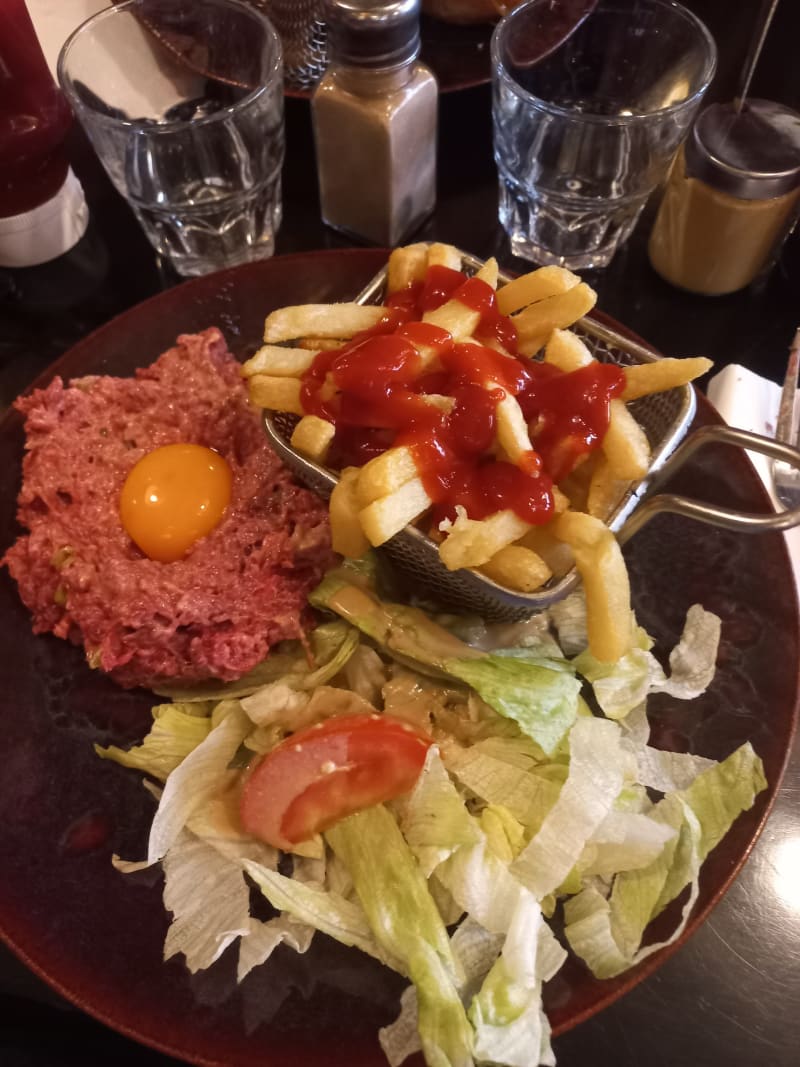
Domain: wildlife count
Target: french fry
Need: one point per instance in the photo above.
(383, 518)
(512, 430)
(347, 536)
(280, 361)
(516, 567)
(557, 555)
(278, 394)
(372, 504)
(441, 255)
(560, 501)
(319, 344)
(625, 444)
(407, 265)
(490, 342)
(533, 345)
(312, 436)
(428, 356)
(459, 320)
(440, 401)
(489, 272)
(662, 374)
(473, 542)
(326, 320)
(606, 490)
(536, 285)
(537, 321)
(599, 561)
(385, 474)
(567, 351)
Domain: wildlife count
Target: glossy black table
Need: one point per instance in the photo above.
(730, 995)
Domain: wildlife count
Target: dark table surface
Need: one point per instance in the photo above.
(731, 994)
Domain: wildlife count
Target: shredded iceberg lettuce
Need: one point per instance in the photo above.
(529, 803)
(176, 731)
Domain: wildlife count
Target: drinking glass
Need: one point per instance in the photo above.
(585, 127)
(183, 103)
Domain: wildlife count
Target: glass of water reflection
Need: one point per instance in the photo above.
(183, 103)
(586, 122)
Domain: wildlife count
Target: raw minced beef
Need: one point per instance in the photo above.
(216, 612)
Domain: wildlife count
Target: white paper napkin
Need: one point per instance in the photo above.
(167, 83)
(54, 21)
(750, 402)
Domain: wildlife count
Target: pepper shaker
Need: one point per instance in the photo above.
(374, 115)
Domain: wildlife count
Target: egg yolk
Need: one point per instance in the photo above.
(174, 496)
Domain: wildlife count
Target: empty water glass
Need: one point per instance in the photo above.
(183, 103)
(586, 122)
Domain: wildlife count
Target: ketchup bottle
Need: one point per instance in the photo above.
(43, 212)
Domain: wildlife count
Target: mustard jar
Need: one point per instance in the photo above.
(731, 199)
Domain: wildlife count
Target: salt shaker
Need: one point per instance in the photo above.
(731, 199)
(374, 115)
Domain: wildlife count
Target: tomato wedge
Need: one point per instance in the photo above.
(330, 770)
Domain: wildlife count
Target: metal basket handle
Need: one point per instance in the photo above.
(728, 518)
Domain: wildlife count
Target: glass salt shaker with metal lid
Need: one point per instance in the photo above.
(731, 199)
(374, 115)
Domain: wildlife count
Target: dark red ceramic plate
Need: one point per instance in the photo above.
(97, 936)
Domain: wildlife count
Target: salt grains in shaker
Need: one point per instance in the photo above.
(374, 115)
(731, 199)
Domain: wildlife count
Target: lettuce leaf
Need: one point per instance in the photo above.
(717, 797)
(209, 900)
(607, 933)
(176, 731)
(693, 660)
(324, 910)
(540, 695)
(542, 700)
(283, 659)
(667, 772)
(204, 773)
(507, 1012)
(597, 771)
(406, 923)
(504, 772)
(624, 841)
(477, 879)
(621, 687)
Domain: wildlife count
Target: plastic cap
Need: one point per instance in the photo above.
(47, 231)
(373, 33)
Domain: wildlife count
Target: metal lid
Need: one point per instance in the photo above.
(753, 154)
(373, 33)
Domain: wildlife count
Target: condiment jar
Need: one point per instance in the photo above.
(374, 115)
(732, 197)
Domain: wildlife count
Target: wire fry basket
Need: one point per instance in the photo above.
(665, 417)
(302, 29)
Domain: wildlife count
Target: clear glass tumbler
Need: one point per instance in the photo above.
(183, 103)
(585, 128)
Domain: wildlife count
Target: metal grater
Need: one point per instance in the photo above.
(665, 418)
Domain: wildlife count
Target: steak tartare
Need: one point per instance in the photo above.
(240, 589)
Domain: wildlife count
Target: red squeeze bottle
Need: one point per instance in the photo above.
(42, 209)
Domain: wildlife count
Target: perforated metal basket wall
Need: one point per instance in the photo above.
(665, 418)
(303, 32)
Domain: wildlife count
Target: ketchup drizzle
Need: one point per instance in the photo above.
(377, 392)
